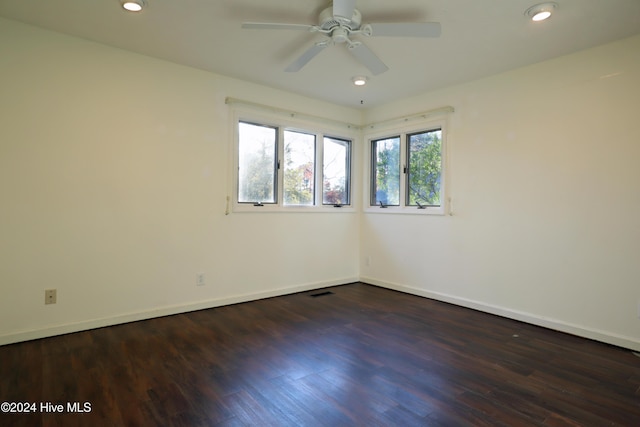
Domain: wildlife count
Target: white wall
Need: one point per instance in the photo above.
(545, 181)
(114, 172)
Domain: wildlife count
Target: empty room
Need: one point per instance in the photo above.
(319, 213)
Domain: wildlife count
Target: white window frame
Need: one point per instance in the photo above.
(282, 123)
(403, 131)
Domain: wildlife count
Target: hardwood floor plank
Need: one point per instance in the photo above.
(360, 356)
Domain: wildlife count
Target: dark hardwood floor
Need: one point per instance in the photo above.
(359, 356)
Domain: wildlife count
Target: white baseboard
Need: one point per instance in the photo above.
(67, 328)
(558, 325)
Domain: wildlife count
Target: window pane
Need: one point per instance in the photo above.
(256, 163)
(299, 173)
(385, 159)
(335, 171)
(425, 168)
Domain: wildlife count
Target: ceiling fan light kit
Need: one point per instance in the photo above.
(133, 5)
(339, 24)
(540, 12)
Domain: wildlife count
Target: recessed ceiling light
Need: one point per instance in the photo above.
(359, 81)
(541, 11)
(132, 5)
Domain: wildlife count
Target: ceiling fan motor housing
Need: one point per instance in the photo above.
(328, 21)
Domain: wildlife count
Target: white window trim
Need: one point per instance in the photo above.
(393, 131)
(306, 125)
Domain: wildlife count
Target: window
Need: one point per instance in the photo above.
(336, 165)
(299, 168)
(407, 171)
(386, 172)
(257, 163)
(286, 167)
(424, 174)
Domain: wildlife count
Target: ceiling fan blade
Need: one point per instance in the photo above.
(344, 8)
(368, 58)
(273, 26)
(307, 56)
(408, 29)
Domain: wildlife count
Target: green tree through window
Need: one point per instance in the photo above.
(281, 167)
(425, 168)
(299, 169)
(335, 171)
(386, 172)
(419, 156)
(257, 163)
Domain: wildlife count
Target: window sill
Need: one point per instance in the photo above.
(396, 210)
(291, 209)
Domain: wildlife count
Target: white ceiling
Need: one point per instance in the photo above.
(479, 38)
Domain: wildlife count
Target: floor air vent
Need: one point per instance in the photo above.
(321, 294)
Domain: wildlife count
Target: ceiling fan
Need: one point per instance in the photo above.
(339, 23)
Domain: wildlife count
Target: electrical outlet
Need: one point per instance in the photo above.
(200, 279)
(367, 261)
(50, 296)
